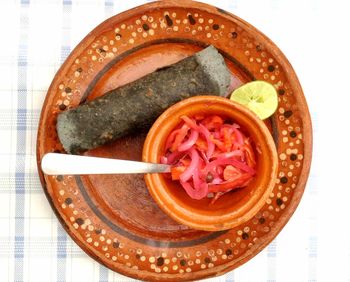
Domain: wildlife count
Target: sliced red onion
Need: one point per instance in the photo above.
(163, 160)
(197, 182)
(242, 166)
(216, 180)
(236, 153)
(204, 157)
(229, 161)
(195, 194)
(233, 126)
(211, 145)
(199, 163)
(219, 170)
(188, 173)
(192, 139)
(175, 156)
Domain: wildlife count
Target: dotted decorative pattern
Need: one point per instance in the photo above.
(228, 34)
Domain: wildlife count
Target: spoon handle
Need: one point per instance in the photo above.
(55, 164)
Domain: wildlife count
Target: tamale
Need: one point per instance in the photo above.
(136, 105)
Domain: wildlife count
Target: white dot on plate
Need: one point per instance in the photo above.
(152, 259)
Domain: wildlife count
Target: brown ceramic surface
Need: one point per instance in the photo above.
(113, 218)
(232, 209)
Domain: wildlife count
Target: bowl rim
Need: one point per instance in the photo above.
(184, 216)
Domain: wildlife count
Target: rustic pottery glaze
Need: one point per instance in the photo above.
(232, 209)
(113, 218)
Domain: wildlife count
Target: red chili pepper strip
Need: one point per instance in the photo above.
(213, 122)
(239, 181)
(176, 171)
(201, 144)
(249, 153)
(231, 172)
(241, 166)
(226, 132)
(219, 144)
(190, 122)
(239, 136)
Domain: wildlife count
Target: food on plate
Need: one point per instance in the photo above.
(258, 96)
(210, 156)
(136, 105)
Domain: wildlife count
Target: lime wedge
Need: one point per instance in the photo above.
(258, 96)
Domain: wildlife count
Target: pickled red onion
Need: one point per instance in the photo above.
(188, 173)
(194, 194)
(192, 139)
(211, 145)
(209, 155)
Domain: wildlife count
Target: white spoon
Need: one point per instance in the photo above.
(62, 164)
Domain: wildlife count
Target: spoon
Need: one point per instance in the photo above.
(62, 164)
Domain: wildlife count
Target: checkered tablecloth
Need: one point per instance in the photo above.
(36, 37)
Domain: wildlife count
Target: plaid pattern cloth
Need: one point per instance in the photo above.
(37, 36)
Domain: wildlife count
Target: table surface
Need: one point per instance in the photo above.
(37, 36)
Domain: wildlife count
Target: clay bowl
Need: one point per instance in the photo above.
(231, 209)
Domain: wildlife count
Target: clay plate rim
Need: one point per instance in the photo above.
(301, 101)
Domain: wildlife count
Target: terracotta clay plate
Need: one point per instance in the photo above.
(112, 217)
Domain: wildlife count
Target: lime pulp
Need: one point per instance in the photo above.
(258, 96)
